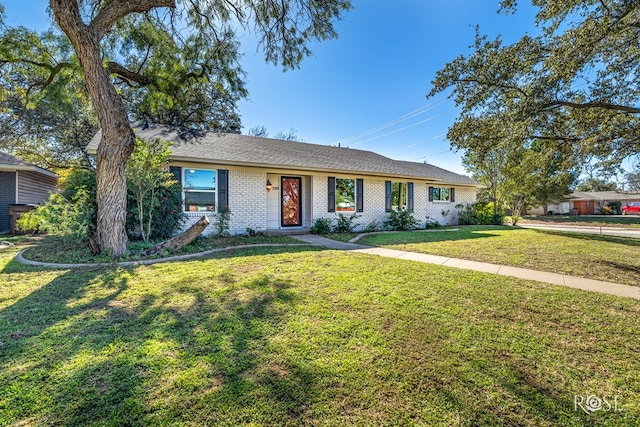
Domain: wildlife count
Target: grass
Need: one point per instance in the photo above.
(298, 336)
(593, 221)
(57, 249)
(613, 259)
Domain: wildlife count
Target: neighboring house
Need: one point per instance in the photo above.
(22, 183)
(274, 185)
(590, 202)
(560, 208)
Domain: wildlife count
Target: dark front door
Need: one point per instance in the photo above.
(291, 201)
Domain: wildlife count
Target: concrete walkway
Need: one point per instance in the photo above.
(503, 270)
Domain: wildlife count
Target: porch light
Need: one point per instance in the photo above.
(269, 186)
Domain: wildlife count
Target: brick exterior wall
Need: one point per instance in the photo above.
(434, 210)
(374, 201)
(248, 201)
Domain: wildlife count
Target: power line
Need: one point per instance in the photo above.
(395, 121)
(403, 128)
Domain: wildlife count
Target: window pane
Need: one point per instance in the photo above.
(436, 193)
(399, 195)
(345, 195)
(199, 201)
(199, 179)
(444, 194)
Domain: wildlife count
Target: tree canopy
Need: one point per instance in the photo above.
(595, 184)
(575, 85)
(166, 57)
(46, 115)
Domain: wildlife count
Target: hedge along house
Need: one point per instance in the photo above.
(276, 186)
(22, 183)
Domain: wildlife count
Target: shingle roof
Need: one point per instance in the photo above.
(12, 163)
(236, 149)
(602, 195)
(9, 160)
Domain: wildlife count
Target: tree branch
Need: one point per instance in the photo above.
(594, 104)
(115, 10)
(115, 68)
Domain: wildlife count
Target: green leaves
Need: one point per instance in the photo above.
(146, 179)
(46, 116)
(576, 83)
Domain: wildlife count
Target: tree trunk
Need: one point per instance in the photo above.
(182, 239)
(116, 144)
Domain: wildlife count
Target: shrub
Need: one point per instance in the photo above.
(168, 217)
(431, 223)
(321, 226)
(70, 218)
(480, 213)
(221, 222)
(615, 207)
(153, 192)
(372, 227)
(71, 213)
(401, 219)
(346, 224)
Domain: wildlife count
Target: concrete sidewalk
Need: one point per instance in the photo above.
(503, 270)
(585, 229)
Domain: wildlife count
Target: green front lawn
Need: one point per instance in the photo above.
(612, 259)
(628, 221)
(57, 249)
(300, 336)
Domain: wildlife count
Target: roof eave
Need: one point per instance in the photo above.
(27, 168)
(323, 170)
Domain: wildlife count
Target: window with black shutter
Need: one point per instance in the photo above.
(331, 191)
(387, 196)
(410, 196)
(177, 173)
(359, 195)
(223, 188)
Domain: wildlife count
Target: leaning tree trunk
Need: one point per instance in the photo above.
(182, 239)
(116, 144)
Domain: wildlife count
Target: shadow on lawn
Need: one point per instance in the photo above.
(90, 346)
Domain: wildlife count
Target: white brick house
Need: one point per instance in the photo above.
(272, 185)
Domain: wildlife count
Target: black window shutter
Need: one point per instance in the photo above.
(331, 191)
(452, 194)
(223, 188)
(410, 196)
(177, 173)
(359, 195)
(387, 196)
(431, 194)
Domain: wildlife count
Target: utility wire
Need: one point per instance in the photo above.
(395, 121)
(403, 128)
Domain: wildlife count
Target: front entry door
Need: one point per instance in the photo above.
(291, 201)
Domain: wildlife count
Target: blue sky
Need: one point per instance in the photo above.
(367, 88)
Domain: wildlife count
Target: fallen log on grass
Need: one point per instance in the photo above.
(181, 239)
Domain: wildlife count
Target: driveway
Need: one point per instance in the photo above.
(603, 231)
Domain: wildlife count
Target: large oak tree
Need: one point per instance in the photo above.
(164, 46)
(575, 85)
